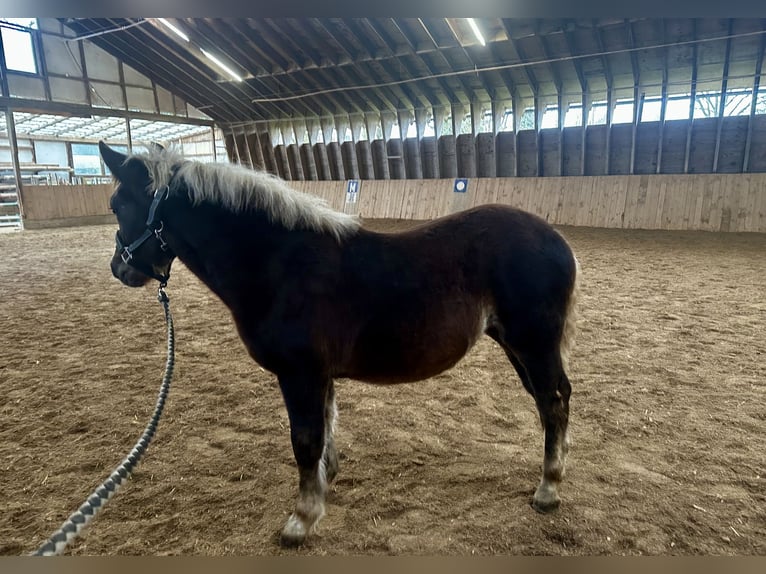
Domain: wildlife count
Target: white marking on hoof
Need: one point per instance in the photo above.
(546, 498)
(294, 533)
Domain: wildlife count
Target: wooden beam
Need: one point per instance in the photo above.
(756, 87)
(84, 111)
(388, 42)
(10, 124)
(37, 41)
(722, 101)
(692, 101)
(584, 144)
(121, 48)
(636, 89)
(584, 87)
(609, 96)
(664, 99)
(211, 30)
(128, 135)
(386, 96)
(273, 39)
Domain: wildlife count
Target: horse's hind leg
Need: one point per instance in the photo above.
(330, 455)
(551, 391)
(306, 400)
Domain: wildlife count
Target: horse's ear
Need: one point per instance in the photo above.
(157, 147)
(114, 160)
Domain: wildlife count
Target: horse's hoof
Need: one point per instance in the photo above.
(546, 506)
(290, 541)
(293, 534)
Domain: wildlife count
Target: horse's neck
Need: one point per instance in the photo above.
(212, 242)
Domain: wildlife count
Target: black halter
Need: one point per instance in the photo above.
(154, 226)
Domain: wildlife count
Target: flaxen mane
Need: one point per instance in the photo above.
(239, 188)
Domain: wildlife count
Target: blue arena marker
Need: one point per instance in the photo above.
(352, 190)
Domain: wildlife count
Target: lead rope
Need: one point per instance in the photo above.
(60, 539)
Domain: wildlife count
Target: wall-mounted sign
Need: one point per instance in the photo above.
(352, 190)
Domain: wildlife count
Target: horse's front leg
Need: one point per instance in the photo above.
(305, 397)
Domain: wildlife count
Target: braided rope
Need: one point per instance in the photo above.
(78, 520)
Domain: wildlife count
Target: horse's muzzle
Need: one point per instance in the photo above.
(126, 274)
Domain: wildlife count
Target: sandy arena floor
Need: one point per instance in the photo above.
(668, 416)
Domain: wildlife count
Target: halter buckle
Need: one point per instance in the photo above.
(126, 256)
(157, 234)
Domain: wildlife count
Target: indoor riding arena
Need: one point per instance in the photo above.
(642, 141)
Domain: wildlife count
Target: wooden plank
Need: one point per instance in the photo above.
(631, 207)
(547, 192)
(693, 198)
(649, 190)
(581, 207)
(752, 203)
(715, 204)
(728, 212)
(600, 199)
(759, 192)
(676, 214)
(444, 198)
(748, 204)
(619, 199)
(706, 193)
(572, 191)
(698, 189)
(529, 193)
(411, 197)
(558, 199)
(666, 201)
(505, 189)
(662, 191)
(672, 198)
(384, 200)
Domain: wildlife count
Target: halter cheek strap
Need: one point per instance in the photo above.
(154, 226)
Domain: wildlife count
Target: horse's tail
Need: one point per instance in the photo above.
(570, 318)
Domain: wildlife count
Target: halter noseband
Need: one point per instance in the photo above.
(154, 226)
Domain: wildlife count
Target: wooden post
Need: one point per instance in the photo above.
(693, 101)
(722, 101)
(756, 87)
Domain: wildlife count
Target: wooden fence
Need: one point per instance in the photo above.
(59, 205)
(712, 202)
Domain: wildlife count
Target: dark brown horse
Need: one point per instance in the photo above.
(316, 297)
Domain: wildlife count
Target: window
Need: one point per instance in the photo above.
(677, 108)
(550, 118)
(87, 159)
(597, 115)
(17, 43)
(760, 102)
(623, 112)
(738, 103)
(573, 116)
(650, 110)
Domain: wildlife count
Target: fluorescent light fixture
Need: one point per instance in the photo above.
(476, 31)
(177, 31)
(221, 65)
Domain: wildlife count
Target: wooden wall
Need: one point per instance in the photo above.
(53, 205)
(712, 202)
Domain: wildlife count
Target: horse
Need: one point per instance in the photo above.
(316, 297)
